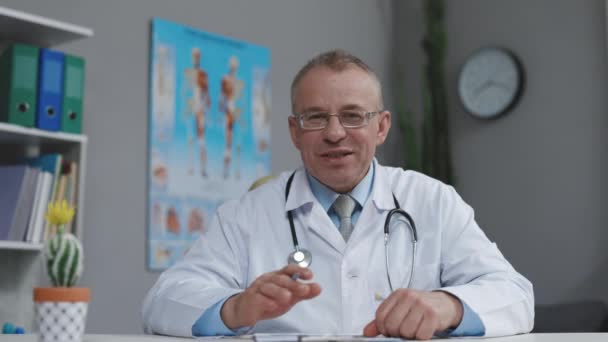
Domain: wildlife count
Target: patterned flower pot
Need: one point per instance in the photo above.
(61, 313)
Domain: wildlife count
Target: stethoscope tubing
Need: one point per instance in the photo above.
(414, 233)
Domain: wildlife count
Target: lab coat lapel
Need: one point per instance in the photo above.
(309, 213)
(382, 192)
(379, 202)
(299, 193)
(322, 226)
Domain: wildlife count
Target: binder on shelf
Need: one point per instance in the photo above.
(35, 229)
(50, 164)
(16, 201)
(50, 89)
(12, 179)
(32, 214)
(73, 93)
(24, 205)
(18, 84)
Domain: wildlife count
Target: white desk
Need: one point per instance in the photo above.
(570, 337)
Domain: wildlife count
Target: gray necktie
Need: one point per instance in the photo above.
(344, 206)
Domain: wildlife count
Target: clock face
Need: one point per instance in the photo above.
(490, 82)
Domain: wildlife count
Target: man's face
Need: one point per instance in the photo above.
(338, 157)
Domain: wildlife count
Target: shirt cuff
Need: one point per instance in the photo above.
(470, 325)
(211, 324)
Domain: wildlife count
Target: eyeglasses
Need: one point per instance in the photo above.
(347, 118)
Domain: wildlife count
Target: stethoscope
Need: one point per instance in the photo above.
(303, 258)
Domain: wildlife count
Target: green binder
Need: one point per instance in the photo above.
(19, 84)
(73, 91)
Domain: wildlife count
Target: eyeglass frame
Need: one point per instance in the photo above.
(366, 117)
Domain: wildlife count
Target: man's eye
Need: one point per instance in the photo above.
(351, 115)
(316, 116)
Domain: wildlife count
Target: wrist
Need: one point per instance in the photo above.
(457, 310)
(453, 311)
(228, 313)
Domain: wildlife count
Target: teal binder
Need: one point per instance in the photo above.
(19, 84)
(73, 92)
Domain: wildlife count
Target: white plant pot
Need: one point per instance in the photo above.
(61, 313)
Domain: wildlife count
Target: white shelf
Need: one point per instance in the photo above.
(15, 134)
(23, 262)
(33, 29)
(19, 245)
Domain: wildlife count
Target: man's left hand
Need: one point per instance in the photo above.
(415, 314)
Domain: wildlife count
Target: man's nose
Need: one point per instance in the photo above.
(334, 131)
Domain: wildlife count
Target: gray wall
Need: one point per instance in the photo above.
(116, 112)
(536, 177)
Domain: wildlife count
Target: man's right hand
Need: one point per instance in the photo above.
(270, 295)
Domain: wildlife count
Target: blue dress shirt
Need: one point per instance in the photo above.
(210, 323)
(327, 196)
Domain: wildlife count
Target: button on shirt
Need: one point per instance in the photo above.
(210, 323)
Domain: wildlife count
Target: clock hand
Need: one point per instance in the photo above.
(483, 87)
(501, 85)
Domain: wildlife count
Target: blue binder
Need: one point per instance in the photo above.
(50, 89)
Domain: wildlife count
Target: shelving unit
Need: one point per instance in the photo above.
(33, 29)
(21, 266)
(35, 136)
(20, 246)
(17, 141)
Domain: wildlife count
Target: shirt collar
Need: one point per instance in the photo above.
(326, 196)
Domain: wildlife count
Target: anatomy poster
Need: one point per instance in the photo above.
(209, 131)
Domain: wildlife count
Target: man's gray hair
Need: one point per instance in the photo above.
(337, 60)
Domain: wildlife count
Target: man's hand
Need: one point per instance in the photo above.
(270, 295)
(415, 314)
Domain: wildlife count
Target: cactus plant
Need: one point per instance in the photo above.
(61, 310)
(63, 250)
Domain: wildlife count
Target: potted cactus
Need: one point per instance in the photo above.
(61, 309)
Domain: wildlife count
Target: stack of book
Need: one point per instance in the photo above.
(28, 188)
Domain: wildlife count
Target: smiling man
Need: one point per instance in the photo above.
(236, 280)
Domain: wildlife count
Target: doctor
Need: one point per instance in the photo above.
(235, 278)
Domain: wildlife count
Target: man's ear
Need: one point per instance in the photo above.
(384, 126)
(293, 131)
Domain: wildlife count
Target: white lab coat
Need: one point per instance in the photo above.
(251, 236)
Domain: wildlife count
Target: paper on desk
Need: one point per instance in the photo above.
(255, 337)
(300, 338)
(346, 338)
(224, 338)
(293, 337)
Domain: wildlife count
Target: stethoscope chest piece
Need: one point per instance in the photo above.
(300, 257)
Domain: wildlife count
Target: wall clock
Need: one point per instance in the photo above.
(490, 82)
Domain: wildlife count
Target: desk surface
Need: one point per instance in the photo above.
(563, 337)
